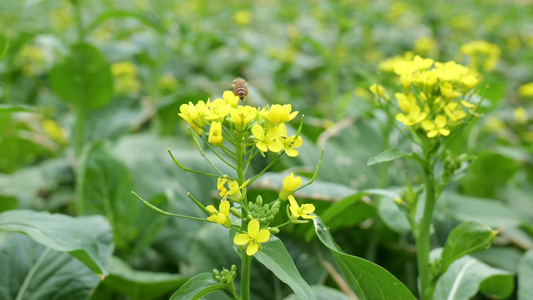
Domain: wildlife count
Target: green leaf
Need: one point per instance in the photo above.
(83, 77)
(8, 108)
(467, 275)
(464, 239)
(88, 239)
(275, 257)
(322, 293)
(387, 155)
(525, 273)
(30, 270)
(367, 280)
(140, 284)
(104, 187)
(201, 285)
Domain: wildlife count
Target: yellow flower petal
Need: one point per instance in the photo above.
(291, 152)
(258, 132)
(224, 207)
(262, 236)
(252, 249)
(241, 239)
(253, 227)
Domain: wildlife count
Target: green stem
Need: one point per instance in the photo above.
(240, 150)
(245, 276)
(79, 21)
(79, 128)
(423, 233)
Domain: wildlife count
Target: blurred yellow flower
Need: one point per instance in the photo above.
(242, 17)
(520, 115)
(526, 90)
(221, 217)
(436, 128)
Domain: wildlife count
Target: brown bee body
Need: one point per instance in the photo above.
(240, 88)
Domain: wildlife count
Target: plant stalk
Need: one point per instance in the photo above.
(423, 233)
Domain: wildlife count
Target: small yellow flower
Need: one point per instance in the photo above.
(378, 90)
(436, 128)
(280, 114)
(242, 17)
(520, 115)
(289, 142)
(447, 91)
(190, 114)
(526, 90)
(270, 141)
(215, 134)
(414, 116)
(221, 217)
(290, 183)
(242, 116)
(405, 102)
(218, 109)
(300, 211)
(230, 98)
(454, 112)
(252, 237)
(220, 186)
(234, 193)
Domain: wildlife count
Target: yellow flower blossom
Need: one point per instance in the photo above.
(414, 116)
(446, 89)
(190, 114)
(290, 183)
(520, 115)
(526, 90)
(405, 102)
(253, 237)
(242, 17)
(218, 109)
(289, 142)
(280, 114)
(230, 98)
(215, 134)
(221, 217)
(436, 128)
(300, 211)
(221, 181)
(234, 193)
(454, 112)
(270, 141)
(242, 116)
(378, 90)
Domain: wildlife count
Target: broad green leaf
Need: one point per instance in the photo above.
(199, 286)
(8, 108)
(387, 155)
(142, 285)
(88, 239)
(467, 275)
(525, 273)
(367, 280)
(505, 258)
(275, 257)
(104, 187)
(464, 239)
(323, 293)
(83, 77)
(30, 270)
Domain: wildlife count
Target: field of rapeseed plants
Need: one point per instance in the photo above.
(377, 149)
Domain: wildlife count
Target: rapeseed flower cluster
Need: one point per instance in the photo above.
(125, 74)
(481, 55)
(241, 132)
(434, 98)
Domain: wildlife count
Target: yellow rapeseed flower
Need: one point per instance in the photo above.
(289, 142)
(242, 116)
(253, 237)
(215, 134)
(378, 90)
(221, 217)
(300, 211)
(230, 98)
(290, 183)
(526, 90)
(270, 141)
(218, 109)
(520, 115)
(436, 128)
(454, 112)
(415, 116)
(280, 114)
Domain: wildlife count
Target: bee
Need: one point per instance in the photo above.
(240, 88)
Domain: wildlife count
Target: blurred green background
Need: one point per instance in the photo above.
(90, 91)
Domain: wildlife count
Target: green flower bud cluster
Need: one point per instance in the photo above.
(226, 276)
(451, 163)
(264, 213)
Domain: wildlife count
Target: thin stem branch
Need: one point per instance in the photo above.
(166, 213)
